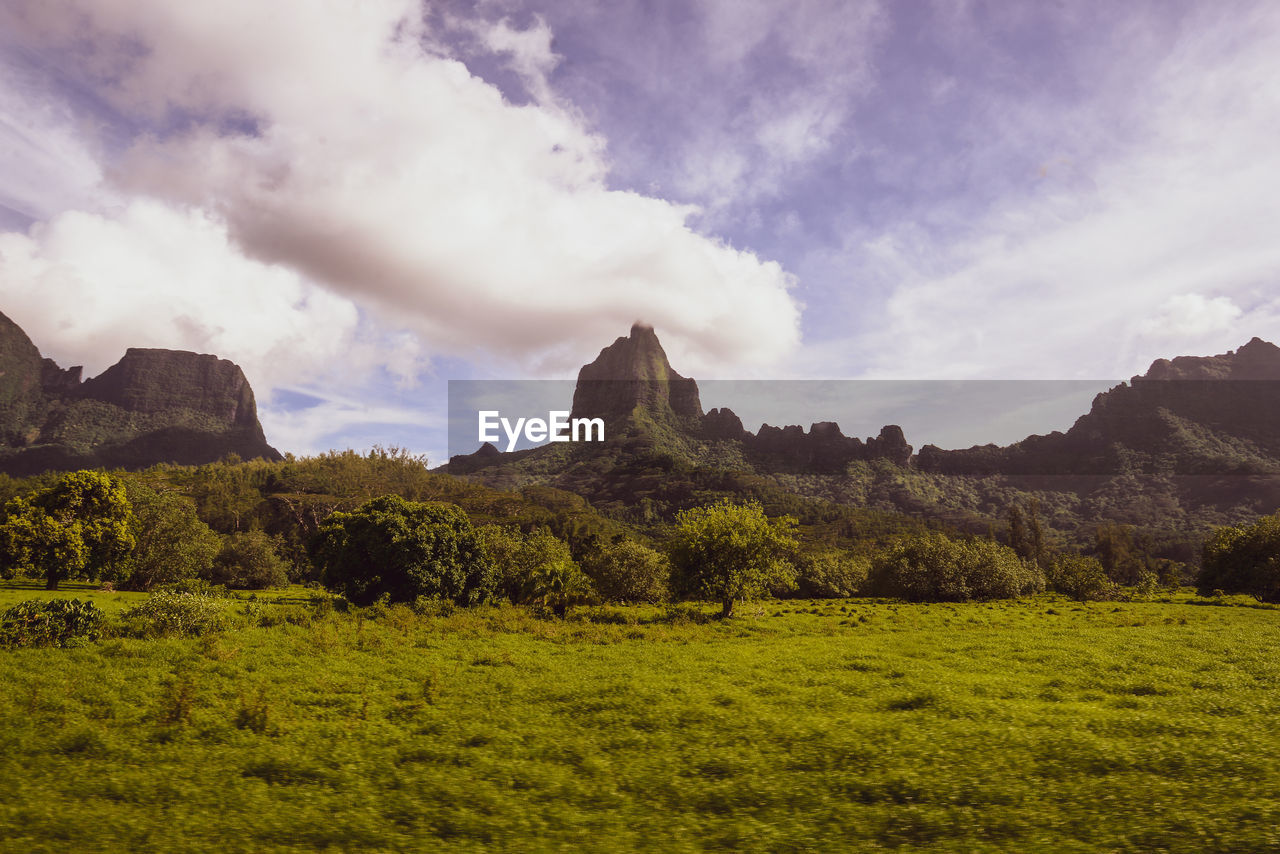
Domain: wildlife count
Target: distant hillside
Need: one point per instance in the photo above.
(152, 406)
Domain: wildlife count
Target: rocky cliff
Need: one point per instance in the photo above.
(632, 376)
(152, 406)
(1192, 415)
(632, 385)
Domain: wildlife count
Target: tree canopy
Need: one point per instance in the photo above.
(403, 550)
(728, 551)
(79, 527)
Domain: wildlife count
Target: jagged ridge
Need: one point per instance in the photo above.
(152, 406)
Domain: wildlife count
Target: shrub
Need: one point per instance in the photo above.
(535, 568)
(830, 575)
(1243, 559)
(935, 568)
(248, 561)
(49, 623)
(167, 613)
(559, 584)
(1081, 578)
(402, 550)
(628, 571)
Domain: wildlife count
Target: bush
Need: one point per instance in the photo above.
(535, 569)
(1243, 559)
(248, 561)
(627, 571)
(934, 568)
(830, 575)
(168, 613)
(402, 550)
(1081, 578)
(57, 622)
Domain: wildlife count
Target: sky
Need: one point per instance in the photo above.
(360, 200)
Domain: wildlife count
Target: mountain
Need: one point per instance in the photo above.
(632, 376)
(1193, 415)
(152, 406)
(1193, 443)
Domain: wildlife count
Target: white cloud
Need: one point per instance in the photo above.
(346, 423)
(1192, 316)
(86, 286)
(784, 81)
(392, 176)
(46, 164)
(529, 52)
(1162, 242)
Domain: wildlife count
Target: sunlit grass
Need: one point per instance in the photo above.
(843, 725)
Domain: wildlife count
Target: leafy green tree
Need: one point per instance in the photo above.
(248, 560)
(934, 568)
(830, 574)
(1126, 555)
(403, 550)
(79, 527)
(729, 552)
(1243, 559)
(627, 571)
(534, 568)
(1080, 577)
(172, 542)
(1026, 534)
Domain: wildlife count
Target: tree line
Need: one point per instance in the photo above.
(380, 527)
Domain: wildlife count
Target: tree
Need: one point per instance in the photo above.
(1125, 555)
(627, 571)
(248, 560)
(934, 568)
(79, 527)
(559, 584)
(729, 551)
(172, 542)
(1026, 535)
(830, 574)
(1243, 559)
(535, 568)
(1081, 577)
(403, 550)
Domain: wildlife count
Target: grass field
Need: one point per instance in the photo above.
(1041, 725)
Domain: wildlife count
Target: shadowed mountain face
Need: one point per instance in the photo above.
(1193, 415)
(633, 374)
(152, 406)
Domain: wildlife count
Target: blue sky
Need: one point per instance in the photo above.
(358, 201)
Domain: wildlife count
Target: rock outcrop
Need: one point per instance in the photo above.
(152, 406)
(1196, 415)
(633, 374)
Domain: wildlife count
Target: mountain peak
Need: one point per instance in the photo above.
(152, 406)
(634, 372)
(1256, 360)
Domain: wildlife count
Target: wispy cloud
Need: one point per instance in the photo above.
(1146, 231)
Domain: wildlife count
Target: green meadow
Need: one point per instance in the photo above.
(837, 725)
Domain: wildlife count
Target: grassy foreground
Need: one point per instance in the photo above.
(1041, 725)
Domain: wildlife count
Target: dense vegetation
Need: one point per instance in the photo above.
(461, 685)
(255, 525)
